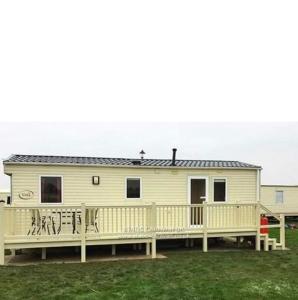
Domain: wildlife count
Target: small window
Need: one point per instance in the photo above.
(50, 188)
(219, 190)
(133, 188)
(279, 197)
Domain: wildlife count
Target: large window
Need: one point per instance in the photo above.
(51, 189)
(279, 197)
(219, 190)
(133, 188)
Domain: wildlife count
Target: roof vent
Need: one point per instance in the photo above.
(142, 153)
(136, 162)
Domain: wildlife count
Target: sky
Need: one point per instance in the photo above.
(149, 60)
(171, 61)
(274, 146)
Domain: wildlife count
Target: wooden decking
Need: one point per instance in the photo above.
(60, 226)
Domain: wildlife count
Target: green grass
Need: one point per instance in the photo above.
(186, 274)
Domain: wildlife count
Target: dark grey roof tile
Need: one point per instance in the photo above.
(48, 159)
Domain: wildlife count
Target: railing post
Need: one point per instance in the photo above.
(113, 249)
(153, 229)
(282, 233)
(2, 221)
(238, 208)
(43, 253)
(83, 232)
(147, 248)
(205, 227)
(258, 238)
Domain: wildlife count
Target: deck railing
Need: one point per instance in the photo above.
(51, 225)
(57, 222)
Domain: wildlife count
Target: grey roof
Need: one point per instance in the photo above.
(76, 160)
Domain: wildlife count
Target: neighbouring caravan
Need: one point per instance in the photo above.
(5, 196)
(281, 199)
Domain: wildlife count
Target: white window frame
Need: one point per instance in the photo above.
(283, 197)
(141, 187)
(62, 190)
(189, 187)
(226, 194)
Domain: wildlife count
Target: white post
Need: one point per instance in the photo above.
(258, 226)
(266, 243)
(153, 229)
(258, 185)
(2, 251)
(43, 253)
(153, 254)
(258, 212)
(113, 250)
(205, 225)
(147, 248)
(238, 240)
(187, 243)
(83, 232)
(282, 232)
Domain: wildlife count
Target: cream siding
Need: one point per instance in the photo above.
(290, 197)
(163, 186)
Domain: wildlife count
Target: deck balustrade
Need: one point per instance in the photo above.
(48, 226)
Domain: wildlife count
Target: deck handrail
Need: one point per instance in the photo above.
(270, 213)
(50, 206)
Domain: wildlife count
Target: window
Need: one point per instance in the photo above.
(279, 197)
(133, 188)
(50, 189)
(219, 190)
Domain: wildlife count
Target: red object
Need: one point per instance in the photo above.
(264, 221)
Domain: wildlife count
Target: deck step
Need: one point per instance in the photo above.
(279, 246)
(270, 243)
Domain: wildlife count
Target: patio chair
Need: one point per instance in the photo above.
(76, 221)
(39, 223)
(91, 218)
(35, 222)
(56, 220)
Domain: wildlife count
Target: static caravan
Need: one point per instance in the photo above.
(80, 201)
(5, 196)
(281, 199)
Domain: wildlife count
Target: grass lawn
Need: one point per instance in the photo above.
(186, 274)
